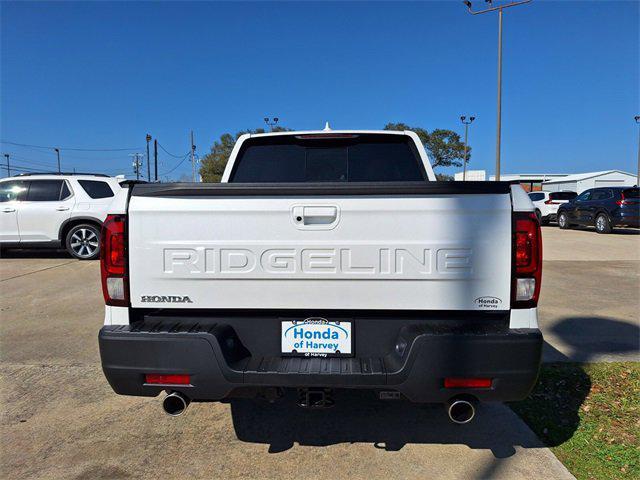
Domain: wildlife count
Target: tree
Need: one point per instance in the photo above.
(213, 164)
(443, 146)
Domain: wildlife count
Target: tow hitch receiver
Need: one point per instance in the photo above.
(315, 398)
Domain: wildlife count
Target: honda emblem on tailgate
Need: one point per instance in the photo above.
(165, 299)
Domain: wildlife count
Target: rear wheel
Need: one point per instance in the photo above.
(563, 221)
(83, 241)
(603, 225)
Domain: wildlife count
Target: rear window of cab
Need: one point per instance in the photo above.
(328, 158)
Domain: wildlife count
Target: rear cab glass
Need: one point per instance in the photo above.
(328, 158)
(96, 188)
(562, 195)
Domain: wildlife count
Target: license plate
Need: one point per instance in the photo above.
(317, 337)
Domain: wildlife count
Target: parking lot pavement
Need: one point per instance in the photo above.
(60, 418)
(590, 300)
(15, 263)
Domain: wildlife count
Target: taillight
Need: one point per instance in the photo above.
(113, 261)
(467, 382)
(624, 201)
(167, 379)
(527, 260)
(551, 202)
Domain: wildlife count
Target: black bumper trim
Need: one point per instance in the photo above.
(219, 363)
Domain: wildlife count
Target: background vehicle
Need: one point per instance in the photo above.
(547, 203)
(340, 263)
(55, 210)
(603, 208)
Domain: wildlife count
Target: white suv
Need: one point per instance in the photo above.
(547, 204)
(56, 210)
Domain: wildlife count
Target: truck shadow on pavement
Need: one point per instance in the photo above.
(358, 416)
(591, 338)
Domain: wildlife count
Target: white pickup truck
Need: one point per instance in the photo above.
(324, 260)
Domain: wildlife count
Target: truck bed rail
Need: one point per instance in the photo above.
(318, 189)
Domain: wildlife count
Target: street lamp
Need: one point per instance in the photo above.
(637, 119)
(499, 121)
(466, 122)
(271, 122)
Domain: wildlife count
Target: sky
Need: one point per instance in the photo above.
(100, 76)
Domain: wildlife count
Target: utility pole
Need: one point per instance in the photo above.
(136, 164)
(148, 159)
(193, 163)
(6, 155)
(271, 122)
(466, 138)
(155, 158)
(636, 118)
(58, 152)
(499, 105)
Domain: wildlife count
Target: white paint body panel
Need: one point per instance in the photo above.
(437, 252)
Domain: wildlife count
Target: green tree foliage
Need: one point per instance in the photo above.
(443, 177)
(213, 163)
(444, 147)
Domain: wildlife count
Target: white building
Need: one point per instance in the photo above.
(529, 181)
(471, 176)
(583, 181)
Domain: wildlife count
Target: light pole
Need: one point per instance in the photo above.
(637, 119)
(499, 107)
(58, 153)
(6, 155)
(148, 160)
(271, 122)
(466, 138)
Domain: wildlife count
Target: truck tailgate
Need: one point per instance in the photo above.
(426, 249)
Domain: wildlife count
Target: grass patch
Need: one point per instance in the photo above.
(589, 414)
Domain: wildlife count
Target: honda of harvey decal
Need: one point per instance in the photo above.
(316, 337)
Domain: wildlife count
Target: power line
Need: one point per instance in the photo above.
(70, 148)
(169, 153)
(177, 165)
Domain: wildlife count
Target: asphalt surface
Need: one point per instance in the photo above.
(589, 308)
(60, 419)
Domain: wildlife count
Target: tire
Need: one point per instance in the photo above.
(544, 221)
(83, 241)
(563, 221)
(602, 223)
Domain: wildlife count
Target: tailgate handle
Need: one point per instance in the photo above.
(319, 215)
(315, 214)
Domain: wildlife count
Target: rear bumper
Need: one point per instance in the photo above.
(625, 221)
(220, 365)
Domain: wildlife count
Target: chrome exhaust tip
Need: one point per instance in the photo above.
(461, 410)
(175, 404)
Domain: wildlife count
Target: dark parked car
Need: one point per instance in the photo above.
(603, 208)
